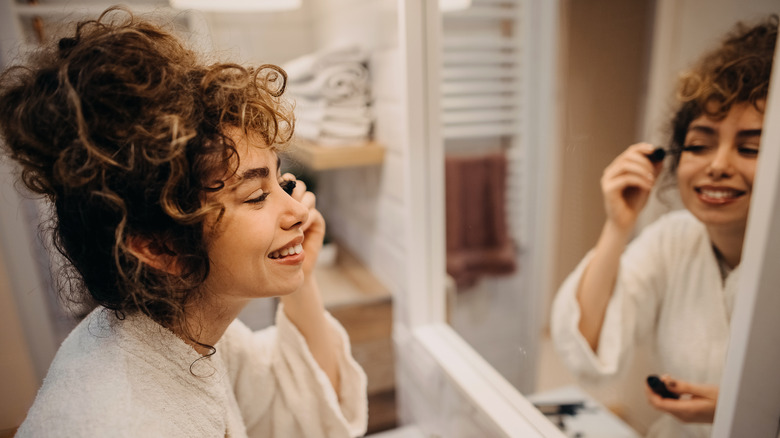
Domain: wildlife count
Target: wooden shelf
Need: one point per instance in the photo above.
(316, 157)
(349, 283)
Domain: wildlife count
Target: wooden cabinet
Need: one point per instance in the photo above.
(364, 307)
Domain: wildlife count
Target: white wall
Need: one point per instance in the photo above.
(364, 207)
(258, 38)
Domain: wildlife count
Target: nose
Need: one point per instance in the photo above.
(295, 213)
(721, 164)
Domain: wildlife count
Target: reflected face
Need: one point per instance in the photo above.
(718, 164)
(260, 223)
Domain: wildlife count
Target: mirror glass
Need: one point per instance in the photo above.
(617, 63)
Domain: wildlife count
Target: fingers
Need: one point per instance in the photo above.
(691, 410)
(300, 192)
(694, 389)
(626, 184)
(697, 404)
(300, 186)
(631, 165)
(308, 199)
(633, 161)
(621, 182)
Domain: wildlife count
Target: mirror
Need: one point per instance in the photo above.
(617, 66)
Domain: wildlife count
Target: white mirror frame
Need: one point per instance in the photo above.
(749, 400)
(422, 314)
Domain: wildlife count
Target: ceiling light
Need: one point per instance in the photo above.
(237, 5)
(454, 5)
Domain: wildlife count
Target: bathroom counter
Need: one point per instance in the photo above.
(592, 420)
(402, 432)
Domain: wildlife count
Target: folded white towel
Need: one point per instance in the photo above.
(335, 83)
(336, 142)
(317, 110)
(360, 116)
(336, 128)
(306, 67)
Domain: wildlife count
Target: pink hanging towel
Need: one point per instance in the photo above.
(478, 241)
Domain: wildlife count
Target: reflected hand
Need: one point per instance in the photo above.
(314, 227)
(696, 404)
(626, 184)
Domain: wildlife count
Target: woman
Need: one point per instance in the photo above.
(171, 208)
(676, 281)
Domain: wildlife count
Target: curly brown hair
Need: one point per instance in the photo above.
(738, 71)
(123, 129)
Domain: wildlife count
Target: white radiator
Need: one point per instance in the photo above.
(483, 90)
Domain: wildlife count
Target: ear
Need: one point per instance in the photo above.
(154, 254)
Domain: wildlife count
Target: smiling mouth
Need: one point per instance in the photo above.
(719, 195)
(285, 252)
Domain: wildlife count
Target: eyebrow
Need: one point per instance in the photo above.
(710, 131)
(702, 129)
(256, 173)
(749, 133)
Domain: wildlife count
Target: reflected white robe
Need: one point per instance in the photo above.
(669, 286)
(132, 378)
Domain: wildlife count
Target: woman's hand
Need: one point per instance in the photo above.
(305, 307)
(313, 229)
(626, 184)
(696, 403)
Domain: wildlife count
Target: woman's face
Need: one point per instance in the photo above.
(717, 167)
(261, 222)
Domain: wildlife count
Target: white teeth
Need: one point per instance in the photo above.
(297, 249)
(719, 194)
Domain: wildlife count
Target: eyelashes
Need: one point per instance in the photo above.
(257, 200)
(288, 186)
(694, 148)
(702, 149)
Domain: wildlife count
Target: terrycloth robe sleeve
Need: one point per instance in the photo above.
(281, 390)
(631, 313)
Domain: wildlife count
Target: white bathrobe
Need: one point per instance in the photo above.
(134, 378)
(669, 286)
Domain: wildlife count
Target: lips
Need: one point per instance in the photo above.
(292, 248)
(718, 195)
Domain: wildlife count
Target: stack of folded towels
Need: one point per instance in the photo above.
(332, 96)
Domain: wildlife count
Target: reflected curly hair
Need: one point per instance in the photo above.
(123, 129)
(738, 71)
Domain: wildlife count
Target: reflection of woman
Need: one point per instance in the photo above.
(170, 206)
(676, 281)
